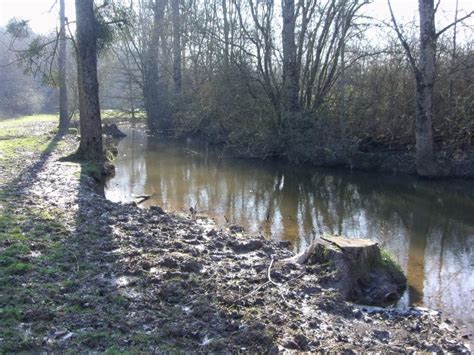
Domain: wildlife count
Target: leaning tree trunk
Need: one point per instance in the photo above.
(425, 77)
(90, 147)
(63, 101)
(290, 70)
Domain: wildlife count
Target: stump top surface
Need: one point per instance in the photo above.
(345, 243)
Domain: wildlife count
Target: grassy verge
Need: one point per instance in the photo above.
(41, 268)
(33, 274)
(25, 136)
(114, 116)
(30, 238)
(8, 122)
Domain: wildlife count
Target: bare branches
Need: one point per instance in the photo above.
(403, 41)
(439, 33)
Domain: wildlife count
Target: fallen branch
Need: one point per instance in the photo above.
(142, 198)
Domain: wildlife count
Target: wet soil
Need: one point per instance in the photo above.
(81, 273)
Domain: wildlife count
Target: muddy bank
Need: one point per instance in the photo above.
(106, 276)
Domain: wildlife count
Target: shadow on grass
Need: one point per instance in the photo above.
(48, 278)
(29, 237)
(29, 173)
(80, 277)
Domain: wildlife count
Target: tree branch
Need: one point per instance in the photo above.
(454, 23)
(52, 6)
(436, 7)
(404, 43)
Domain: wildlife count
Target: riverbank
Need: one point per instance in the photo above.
(360, 157)
(79, 272)
(369, 155)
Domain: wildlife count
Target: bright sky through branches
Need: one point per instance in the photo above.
(43, 20)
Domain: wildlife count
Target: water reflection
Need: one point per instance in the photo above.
(427, 226)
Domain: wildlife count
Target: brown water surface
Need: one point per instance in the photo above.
(427, 226)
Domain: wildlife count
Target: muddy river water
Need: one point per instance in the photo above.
(427, 226)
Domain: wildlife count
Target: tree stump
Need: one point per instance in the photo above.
(113, 131)
(363, 273)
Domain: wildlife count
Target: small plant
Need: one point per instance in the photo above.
(17, 268)
(10, 313)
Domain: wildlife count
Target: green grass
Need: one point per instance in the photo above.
(28, 281)
(109, 116)
(116, 115)
(23, 120)
(34, 262)
(10, 313)
(17, 135)
(17, 268)
(10, 255)
(11, 147)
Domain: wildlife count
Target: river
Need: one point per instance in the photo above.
(427, 226)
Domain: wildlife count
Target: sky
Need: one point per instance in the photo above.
(43, 20)
(36, 11)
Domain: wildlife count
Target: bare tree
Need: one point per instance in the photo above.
(151, 77)
(90, 147)
(425, 73)
(63, 100)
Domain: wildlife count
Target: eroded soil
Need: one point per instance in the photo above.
(78, 272)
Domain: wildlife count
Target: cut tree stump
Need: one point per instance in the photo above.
(363, 273)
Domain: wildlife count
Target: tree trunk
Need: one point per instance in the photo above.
(90, 147)
(176, 45)
(63, 101)
(151, 72)
(290, 70)
(425, 77)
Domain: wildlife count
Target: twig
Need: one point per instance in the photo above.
(77, 261)
(268, 273)
(275, 283)
(270, 281)
(254, 290)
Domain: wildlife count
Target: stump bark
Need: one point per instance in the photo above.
(363, 273)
